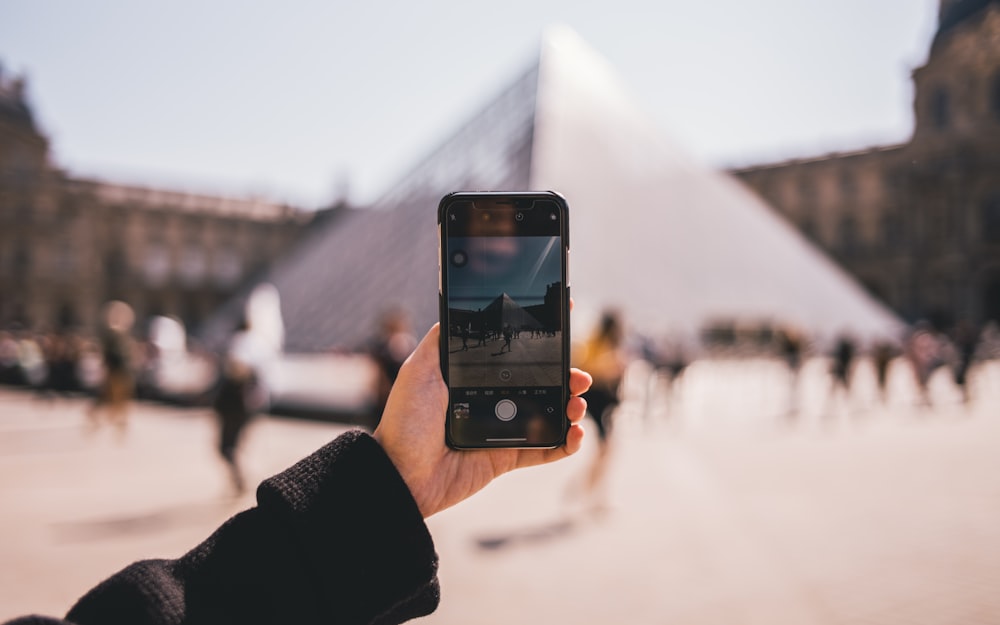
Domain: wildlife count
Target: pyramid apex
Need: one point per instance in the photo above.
(559, 33)
(563, 42)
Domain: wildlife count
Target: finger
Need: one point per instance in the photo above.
(427, 348)
(429, 344)
(533, 457)
(579, 381)
(574, 440)
(576, 409)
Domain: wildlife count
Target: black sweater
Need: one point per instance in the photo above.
(337, 538)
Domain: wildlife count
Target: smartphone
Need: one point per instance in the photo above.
(504, 291)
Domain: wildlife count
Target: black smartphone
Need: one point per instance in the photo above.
(504, 290)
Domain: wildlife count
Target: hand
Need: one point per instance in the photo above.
(412, 433)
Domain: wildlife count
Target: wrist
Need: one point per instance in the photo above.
(408, 474)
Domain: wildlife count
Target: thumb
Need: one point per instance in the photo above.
(426, 358)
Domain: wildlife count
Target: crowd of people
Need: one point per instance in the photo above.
(70, 363)
(113, 366)
(922, 352)
(49, 362)
(67, 363)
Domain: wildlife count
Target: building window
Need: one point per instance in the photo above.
(991, 297)
(227, 267)
(848, 185)
(807, 191)
(937, 227)
(848, 235)
(892, 231)
(156, 228)
(193, 265)
(940, 108)
(115, 265)
(995, 96)
(21, 264)
(67, 212)
(990, 219)
(156, 264)
(65, 259)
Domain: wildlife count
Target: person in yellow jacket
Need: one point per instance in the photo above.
(604, 358)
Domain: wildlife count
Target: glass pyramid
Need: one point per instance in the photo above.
(669, 242)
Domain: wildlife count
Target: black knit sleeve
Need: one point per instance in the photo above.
(337, 538)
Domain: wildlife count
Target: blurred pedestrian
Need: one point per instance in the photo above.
(240, 395)
(118, 384)
(62, 356)
(790, 347)
(883, 353)
(392, 344)
(965, 339)
(667, 361)
(603, 357)
(841, 371)
(508, 334)
(9, 367)
(923, 350)
(31, 360)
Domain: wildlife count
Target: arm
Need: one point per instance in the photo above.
(337, 538)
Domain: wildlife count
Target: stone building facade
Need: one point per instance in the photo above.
(69, 245)
(917, 223)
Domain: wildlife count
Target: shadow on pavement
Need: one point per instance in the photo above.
(527, 536)
(208, 513)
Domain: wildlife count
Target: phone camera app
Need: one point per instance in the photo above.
(459, 258)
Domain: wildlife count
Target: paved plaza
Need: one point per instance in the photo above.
(527, 361)
(722, 506)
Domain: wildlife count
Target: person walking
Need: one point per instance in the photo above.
(965, 338)
(118, 385)
(604, 359)
(239, 397)
(841, 373)
(791, 344)
(389, 349)
(923, 350)
(508, 334)
(883, 354)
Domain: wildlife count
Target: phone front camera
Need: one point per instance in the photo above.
(519, 216)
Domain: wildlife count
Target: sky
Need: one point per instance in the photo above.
(521, 267)
(309, 101)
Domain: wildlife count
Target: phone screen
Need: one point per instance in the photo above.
(504, 319)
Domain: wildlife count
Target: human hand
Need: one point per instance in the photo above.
(412, 434)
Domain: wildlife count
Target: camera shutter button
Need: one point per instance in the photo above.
(505, 410)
